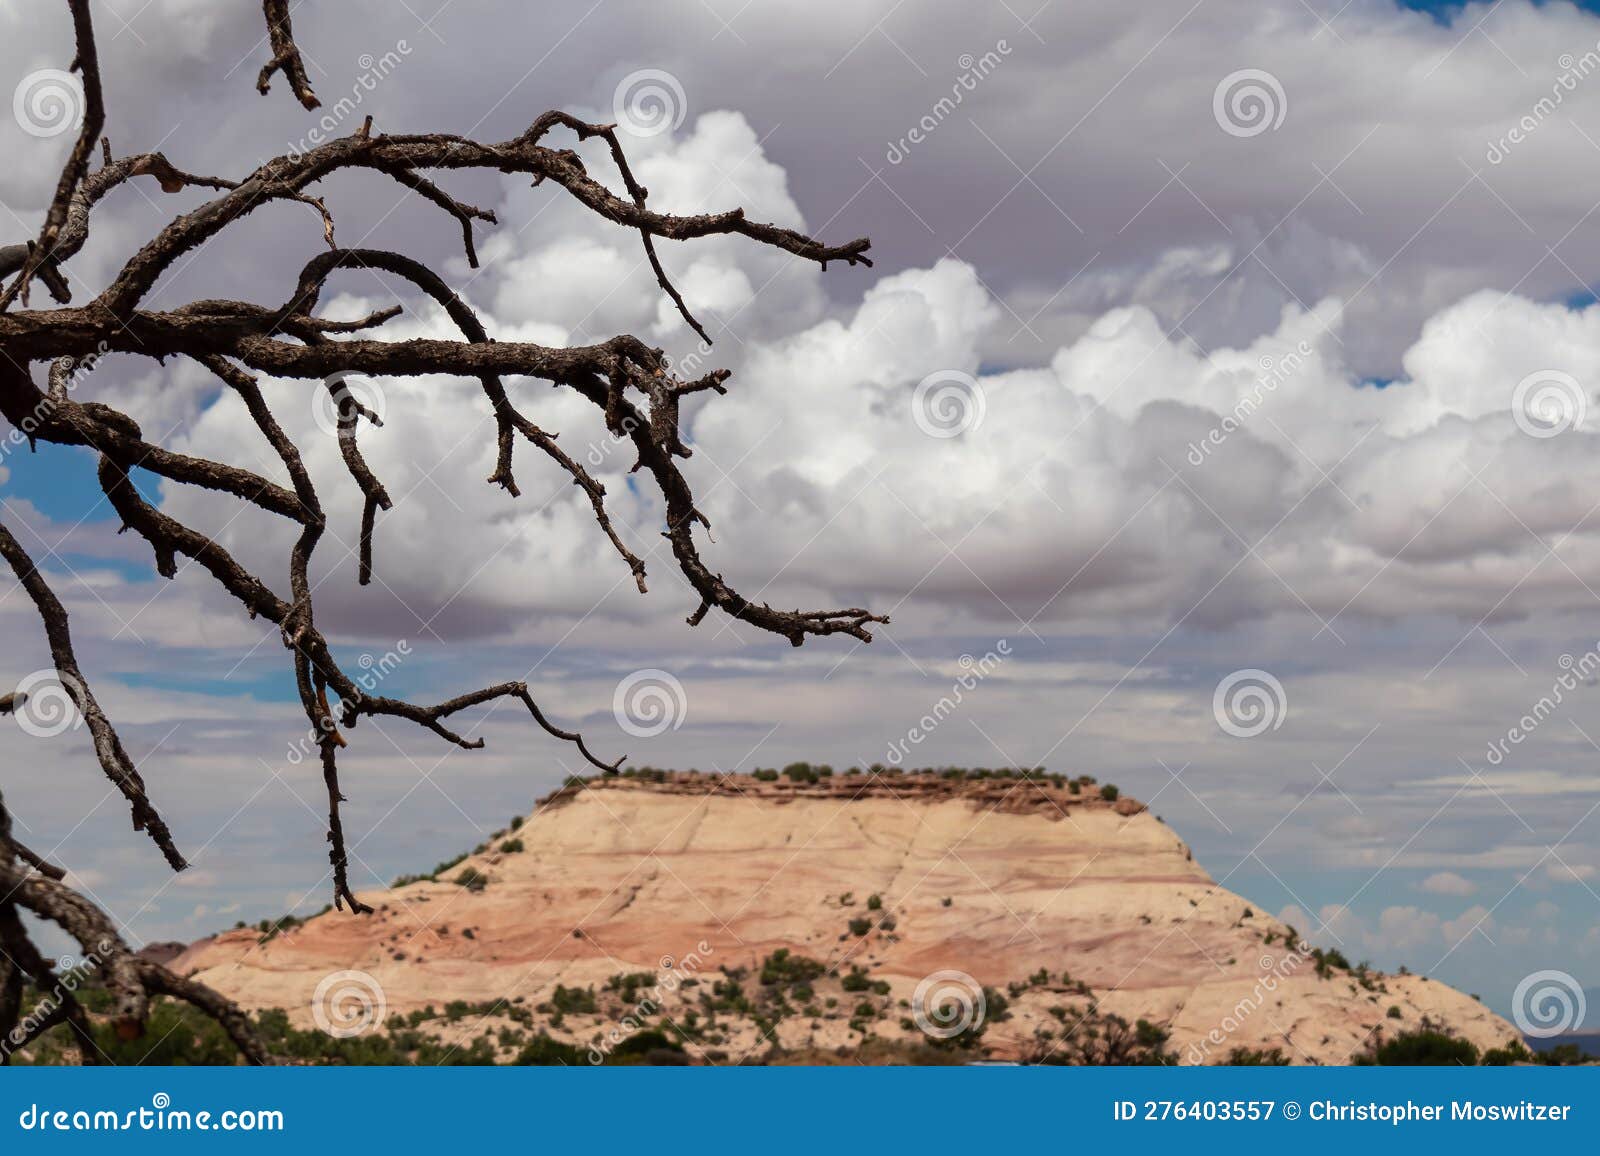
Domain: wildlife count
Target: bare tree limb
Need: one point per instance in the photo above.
(108, 747)
(629, 383)
(87, 64)
(285, 55)
(130, 980)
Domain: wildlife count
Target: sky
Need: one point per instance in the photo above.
(1228, 370)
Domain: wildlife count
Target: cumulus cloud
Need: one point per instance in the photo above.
(1133, 476)
(1400, 931)
(1562, 872)
(1448, 883)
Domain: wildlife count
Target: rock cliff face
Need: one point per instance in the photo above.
(980, 884)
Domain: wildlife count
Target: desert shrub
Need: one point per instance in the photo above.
(576, 1000)
(472, 879)
(1101, 1041)
(1328, 960)
(651, 1048)
(784, 969)
(1109, 793)
(1564, 1055)
(542, 1051)
(1425, 1048)
(1513, 1053)
(1257, 1058)
(860, 927)
(511, 847)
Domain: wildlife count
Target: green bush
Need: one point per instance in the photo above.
(857, 980)
(1513, 1053)
(1426, 1048)
(1257, 1058)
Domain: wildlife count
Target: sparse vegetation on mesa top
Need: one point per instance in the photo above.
(431, 876)
(803, 774)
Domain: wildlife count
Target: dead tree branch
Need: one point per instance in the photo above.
(629, 383)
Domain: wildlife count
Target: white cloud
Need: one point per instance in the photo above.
(1121, 481)
(1448, 883)
(1561, 872)
(1402, 931)
(1474, 920)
